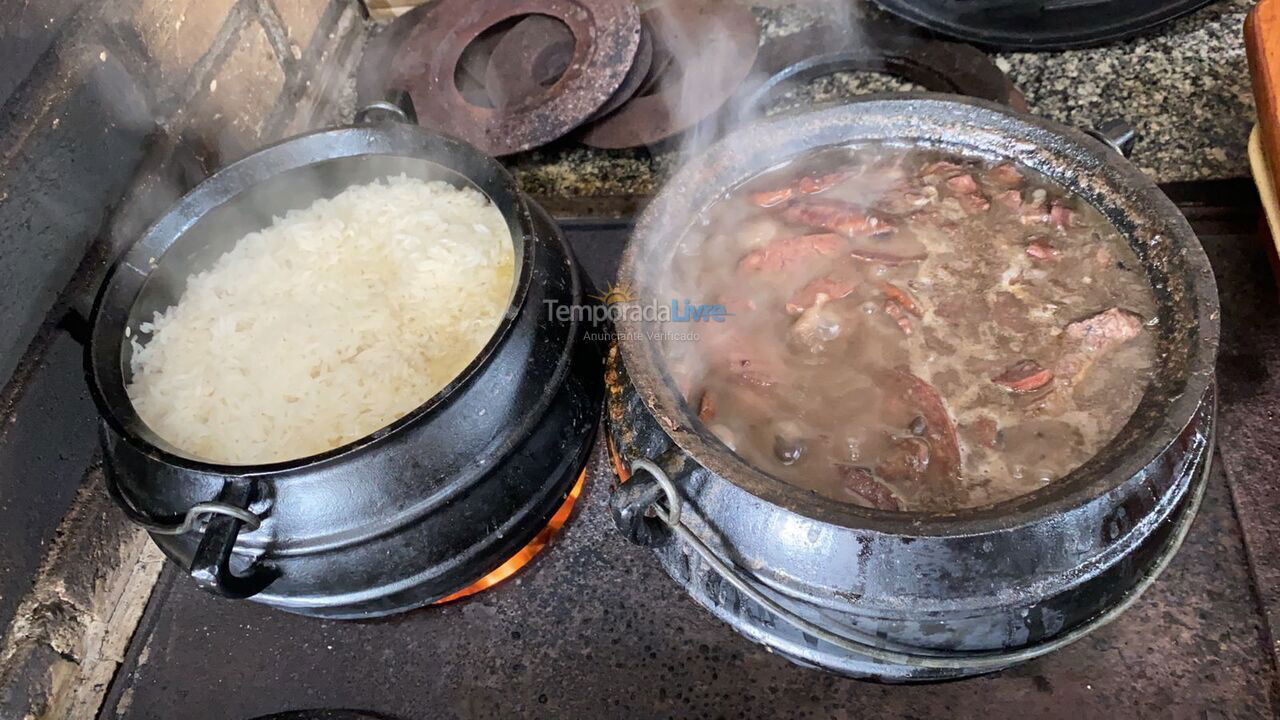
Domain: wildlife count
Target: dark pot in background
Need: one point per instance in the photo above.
(411, 513)
(918, 596)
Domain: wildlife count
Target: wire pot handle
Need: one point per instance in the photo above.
(211, 564)
(888, 651)
(396, 106)
(1116, 134)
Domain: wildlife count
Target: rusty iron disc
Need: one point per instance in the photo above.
(472, 66)
(606, 36)
(635, 76)
(712, 46)
(376, 77)
(533, 54)
(658, 66)
(528, 59)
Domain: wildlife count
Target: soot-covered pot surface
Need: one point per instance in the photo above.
(905, 595)
(402, 517)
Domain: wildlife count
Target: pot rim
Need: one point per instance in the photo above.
(641, 353)
(388, 139)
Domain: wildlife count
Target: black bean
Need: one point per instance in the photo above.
(918, 426)
(787, 450)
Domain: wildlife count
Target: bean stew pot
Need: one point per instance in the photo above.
(905, 596)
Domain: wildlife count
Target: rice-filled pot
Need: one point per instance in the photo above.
(394, 519)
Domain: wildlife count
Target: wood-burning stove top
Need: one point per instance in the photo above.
(594, 628)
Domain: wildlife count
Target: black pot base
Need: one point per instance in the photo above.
(756, 623)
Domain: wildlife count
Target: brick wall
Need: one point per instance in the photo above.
(237, 69)
(109, 109)
(98, 81)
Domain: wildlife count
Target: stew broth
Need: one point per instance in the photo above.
(912, 329)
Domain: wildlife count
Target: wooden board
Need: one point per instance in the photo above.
(1262, 42)
(388, 10)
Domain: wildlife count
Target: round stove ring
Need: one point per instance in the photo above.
(702, 53)
(606, 37)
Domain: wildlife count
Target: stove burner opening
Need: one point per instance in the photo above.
(527, 553)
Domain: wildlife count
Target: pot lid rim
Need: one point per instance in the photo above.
(395, 139)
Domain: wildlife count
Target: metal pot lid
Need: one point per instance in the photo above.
(1039, 24)
(875, 46)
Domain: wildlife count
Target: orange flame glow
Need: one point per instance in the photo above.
(618, 468)
(526, 553)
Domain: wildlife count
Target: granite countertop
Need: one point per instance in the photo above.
(1185, 87)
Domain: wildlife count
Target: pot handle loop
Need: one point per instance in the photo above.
(885, 47)
(189, 520)
(880, 648)
(198, 511)
(1116, 134)
(211, 565)
(396, 106)
(636, 508)
(675, 506)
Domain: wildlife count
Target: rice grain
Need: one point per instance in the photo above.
(333, 322)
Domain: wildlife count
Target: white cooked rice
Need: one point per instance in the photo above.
(332, 323)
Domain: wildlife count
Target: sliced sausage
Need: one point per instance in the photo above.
(807, 185)
(1006, 175)
(963, 184)
(902, 297)
(781, 252)
(1024, 376)
(939, 482)
(770, 198)
(895, 311)
(834, 216)
(861, 482)
(835, 286)
(1107, 328)
(1061, 215)
(1041, 250)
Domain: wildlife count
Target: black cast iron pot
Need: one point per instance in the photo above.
(908, 595)
(411, 513)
